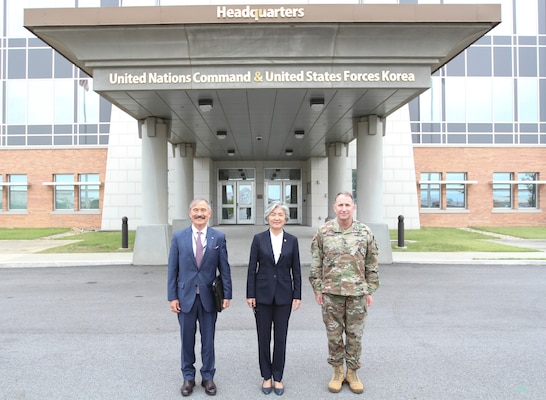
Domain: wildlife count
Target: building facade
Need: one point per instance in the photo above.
(469, 151)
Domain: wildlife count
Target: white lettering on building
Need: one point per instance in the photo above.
(154, 77)
(127, 79)
(258, 76)
(223, 12)
(222, 78)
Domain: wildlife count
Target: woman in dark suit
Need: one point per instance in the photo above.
(273, 290)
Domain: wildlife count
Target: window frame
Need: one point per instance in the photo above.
(442, 185)
(61, 189)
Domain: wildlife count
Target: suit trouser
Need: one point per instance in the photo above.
(188, 328)
(268, 316)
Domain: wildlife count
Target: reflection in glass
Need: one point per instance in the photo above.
(89, 194)
(291, 194)
(527, 192)
(17, 194)
(227, 194)
(282, 174)
(228, 213)
(273, 193)
(502, 193)
(64, 194)
(430, 192)
(455, 192)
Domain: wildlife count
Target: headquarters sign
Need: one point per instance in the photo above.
(257, 14)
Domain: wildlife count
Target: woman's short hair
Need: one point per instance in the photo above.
(274, 205)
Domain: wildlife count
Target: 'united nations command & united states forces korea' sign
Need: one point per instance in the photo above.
(236, 78)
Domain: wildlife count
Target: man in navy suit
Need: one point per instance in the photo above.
(273, 290)
(197, 252)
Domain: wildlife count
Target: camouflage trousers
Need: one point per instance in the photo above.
(344, 315)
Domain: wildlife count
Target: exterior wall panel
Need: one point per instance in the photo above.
(480, 163)
(40, 166)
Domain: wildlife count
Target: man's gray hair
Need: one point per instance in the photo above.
(195, 201)
(274, 205)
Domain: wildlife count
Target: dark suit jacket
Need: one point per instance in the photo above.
(267, 281)
(184, 276)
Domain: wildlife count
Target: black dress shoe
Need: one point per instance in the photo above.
(267, 389)
(187, 388)
(279, 390)
(210, 387)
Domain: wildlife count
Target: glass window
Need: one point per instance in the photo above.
(503, 100)
(528, 100)
(479, 61)
(542, 61)
(543, 97)
(17, 63)
(63, 101)
(89, 194)
(455, 95)
(430, 192)
(16, 102)
(527, 193)
(17, 194)
(456, 192)
(63, 68)
(479, 102)
(526, 17)
(430, 102)
(40, 63)
(502, 61)
(64, 194)
(50, 3)
(456, 67)
(40, 101)
(88, 103)
(527, 61)
(236, 174)
(282, 174)
(502, 192)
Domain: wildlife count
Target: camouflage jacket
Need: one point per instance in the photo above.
(344, 262)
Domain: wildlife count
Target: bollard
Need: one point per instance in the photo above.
(400, 231)
(124, 233)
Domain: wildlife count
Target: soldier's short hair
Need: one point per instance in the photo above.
(344, 194)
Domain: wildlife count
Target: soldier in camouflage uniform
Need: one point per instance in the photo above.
(344, 274)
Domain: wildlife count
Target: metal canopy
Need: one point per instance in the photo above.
(260, 123)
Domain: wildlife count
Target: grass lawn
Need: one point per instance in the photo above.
(95, 242)
(418, 240)
(524, 232)
(449, 240)
(29, 234)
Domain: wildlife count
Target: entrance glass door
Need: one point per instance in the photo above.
(289, 193)
(237, 202)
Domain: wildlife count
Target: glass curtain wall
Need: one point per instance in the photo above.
(45, 100)
(494, 93)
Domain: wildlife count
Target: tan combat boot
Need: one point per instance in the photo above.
(354, 381)
(337, 379)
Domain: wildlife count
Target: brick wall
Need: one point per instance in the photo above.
(40, 166)
(480, 164)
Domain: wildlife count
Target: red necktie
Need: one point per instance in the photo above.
(198, 249)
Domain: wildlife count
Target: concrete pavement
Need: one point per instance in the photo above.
(100, 328)
(454, 332)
